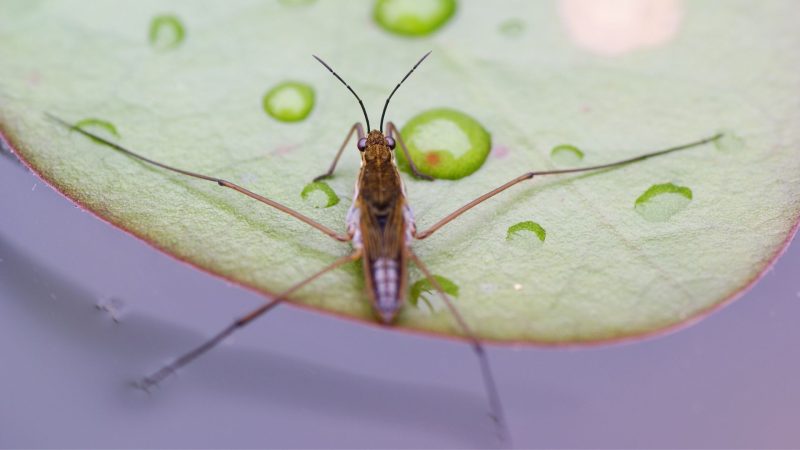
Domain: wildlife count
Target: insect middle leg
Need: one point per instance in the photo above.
(495, 406)
(219, 181)
(530, 175)
(159, 375)
(359, 129)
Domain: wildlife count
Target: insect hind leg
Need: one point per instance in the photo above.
(156, 377)
(495, 405)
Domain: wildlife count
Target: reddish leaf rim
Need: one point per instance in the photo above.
(627, 339)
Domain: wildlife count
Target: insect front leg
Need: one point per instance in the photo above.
(530, 175)
(359, 129)
(159, 375)
(393, 132)
(495, 406)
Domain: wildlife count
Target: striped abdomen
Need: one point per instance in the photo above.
(386, 287)
(384, 258)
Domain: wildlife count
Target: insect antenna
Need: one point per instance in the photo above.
(364, 110)
(386, 105)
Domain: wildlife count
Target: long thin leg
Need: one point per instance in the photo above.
(159, 375)
(496, 407)
(391, 130)
(357, 127)
(219, 181)
(527, 176)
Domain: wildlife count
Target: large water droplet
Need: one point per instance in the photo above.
(289, 101)
(413, 17)
(662, 201)
(445, 143)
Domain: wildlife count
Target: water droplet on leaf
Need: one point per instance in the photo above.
(566, 155)
(512, 27)
(290, 101)
(100, 127)
(425, 291)
(166, 32)
(524, 231)
(662, 201)
(445, 143)
(729, 142)
(319, 194)
(413, 17)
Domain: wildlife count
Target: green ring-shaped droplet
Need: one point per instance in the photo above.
(566, 155)
(289, 101)
(729, 141)
(413, 17)
(529, 226)
(166, 32)
(512, 27)
(662, 201)
(94, 122)
(445, 143)
(319, 186)
(425, 286)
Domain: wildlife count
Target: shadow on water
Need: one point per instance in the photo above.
(140, 343)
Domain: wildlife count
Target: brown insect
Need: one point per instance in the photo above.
(380, 227)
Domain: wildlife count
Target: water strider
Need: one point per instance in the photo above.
(380, 227)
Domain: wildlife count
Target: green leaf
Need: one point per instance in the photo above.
(605, 272)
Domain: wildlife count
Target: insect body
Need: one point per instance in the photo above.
(380, 227)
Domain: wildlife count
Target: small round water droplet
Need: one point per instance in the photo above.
(566, 155)
(662, 201)
(319, 194)
(413, 17)
(425, 291)
(445, 143)
(523, 231)
(512, 27)
(729, 142)
(100, 127)
(289, 101)
(166, 32)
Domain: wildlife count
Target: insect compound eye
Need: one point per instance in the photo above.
(362, 144)
(390, 142)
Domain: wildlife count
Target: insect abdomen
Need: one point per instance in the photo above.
(386, 287)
